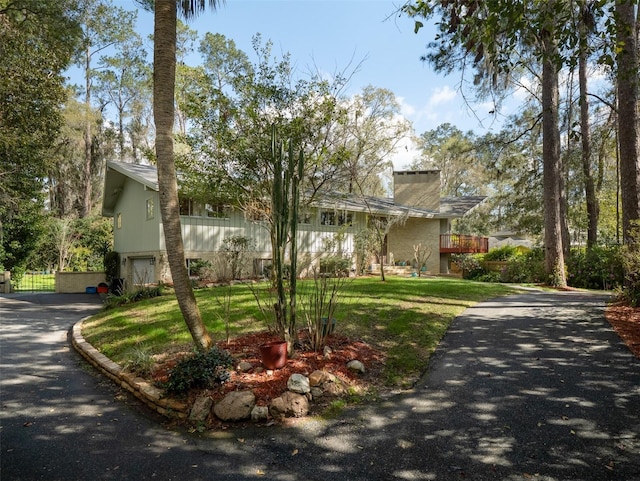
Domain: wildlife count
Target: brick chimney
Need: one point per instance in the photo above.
(417, 188)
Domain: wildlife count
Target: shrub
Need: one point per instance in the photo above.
(202, 369)
(335, 265)
(111, 265)
(526, 268)
(470, 264)
(139, 360)
(149, 292)
(504, 253)
(631, 264)
(595, 268)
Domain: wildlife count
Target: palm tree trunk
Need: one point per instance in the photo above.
(164, 60)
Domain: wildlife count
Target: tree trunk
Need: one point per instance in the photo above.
(164, 61)
(628, 85)
(88, 140)
(585, 131)
(554, 257)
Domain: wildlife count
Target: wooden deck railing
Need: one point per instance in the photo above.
(463, 244)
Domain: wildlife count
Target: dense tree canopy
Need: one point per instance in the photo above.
(31, 95)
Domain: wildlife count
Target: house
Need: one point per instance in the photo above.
(131, 199)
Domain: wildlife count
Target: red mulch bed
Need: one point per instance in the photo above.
(269, 384)
(626, 322)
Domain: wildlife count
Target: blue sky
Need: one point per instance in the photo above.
(331, 34)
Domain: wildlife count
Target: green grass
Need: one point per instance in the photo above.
(406, 317)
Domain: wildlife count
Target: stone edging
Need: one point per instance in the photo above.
(143, 390)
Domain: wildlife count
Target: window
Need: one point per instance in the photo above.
(331, 217)
(218, 211)
(150, 209)
(190, 207)
(304, 217)
(118, 220)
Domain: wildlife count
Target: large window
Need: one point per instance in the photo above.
(189, 207)
(192, 208)
(218, 211)
(304, 217)
(335, 217)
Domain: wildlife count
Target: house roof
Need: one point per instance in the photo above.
(116, 176)
(459, 206)
(373, 205)
(147, 175)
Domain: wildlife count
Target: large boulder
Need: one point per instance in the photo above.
(235, 406)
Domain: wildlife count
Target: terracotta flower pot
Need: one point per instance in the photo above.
(274, 354)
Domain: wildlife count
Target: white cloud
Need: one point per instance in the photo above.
(441, 95)
(406, 153)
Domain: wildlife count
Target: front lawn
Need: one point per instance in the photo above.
(404, 317)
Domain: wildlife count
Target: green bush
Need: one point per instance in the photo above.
(595, 268)
(490, 276)
(631, 265)
(202, 369)
(525, 268)
(111, 265)
(335, 265)
(504, 253)
(470, 264)
(113, 300)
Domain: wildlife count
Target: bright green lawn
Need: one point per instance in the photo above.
(406, 317)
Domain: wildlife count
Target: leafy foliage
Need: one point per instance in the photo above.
(202, 369)
(470, 264)
(113, 301)
(595, 268)
(504, 253)
(631, 264)
(527, 268)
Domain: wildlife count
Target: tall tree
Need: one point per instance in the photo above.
(38, 40)
(627, 16)
(123, 79)
(585, 24)
(552, 172)
(452, 152)
(164, 78)
(103, 25)
(370, 131)
(494, 38)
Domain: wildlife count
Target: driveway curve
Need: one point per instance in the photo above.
(531, 386)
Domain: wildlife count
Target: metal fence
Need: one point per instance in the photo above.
(35, 281)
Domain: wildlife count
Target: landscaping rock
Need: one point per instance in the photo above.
(334, 387)
(200, 410)
(356, 366)
(289, 404)
(298, 383)
(244, 366)
(316, 392)
(327, 351)
(259, 413)
(318, 377)
(235, 406)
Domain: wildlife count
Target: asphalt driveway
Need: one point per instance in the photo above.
(532, 386)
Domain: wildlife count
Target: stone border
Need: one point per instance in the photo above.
(143, 390)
